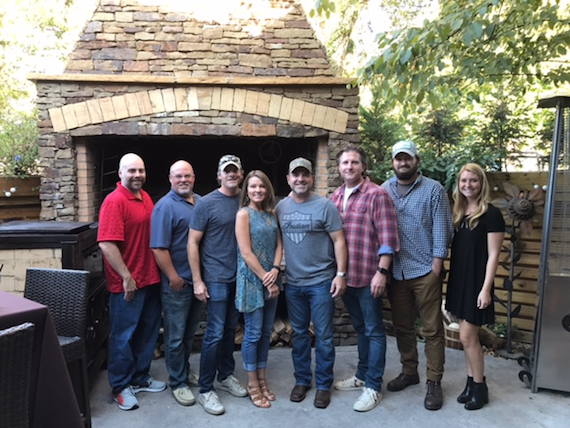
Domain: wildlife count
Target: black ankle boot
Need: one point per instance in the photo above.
(464, 396)
(479, 396)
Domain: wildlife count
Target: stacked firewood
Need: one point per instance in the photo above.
(281, 334)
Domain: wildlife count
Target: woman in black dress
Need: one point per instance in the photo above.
(479, 232)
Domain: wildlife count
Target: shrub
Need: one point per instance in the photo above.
(18, 144)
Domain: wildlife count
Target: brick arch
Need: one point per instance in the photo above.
(156, 101)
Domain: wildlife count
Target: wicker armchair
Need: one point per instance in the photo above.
(16, 345)
(66, 292)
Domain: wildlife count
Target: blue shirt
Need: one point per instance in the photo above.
(425, 229)
(215, 216)
(169, 226)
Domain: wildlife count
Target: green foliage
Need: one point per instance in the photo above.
(379, 131)
(499, 328)
(502, 131)
(18, 144)
(444, 168)
(441, 130)
(32, 33)
(468, 45)
(323, 7)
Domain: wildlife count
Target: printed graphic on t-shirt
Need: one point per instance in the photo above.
(296, 225)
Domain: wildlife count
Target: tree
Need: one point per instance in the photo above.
(441, 130)
(31, 31)
(470, 44)
(379, 132)
(466, 46)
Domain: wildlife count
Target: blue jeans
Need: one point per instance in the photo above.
(304, 303)
(219, 339)
(181, 316)
(258, 327)
(134, 332)
(367, 319)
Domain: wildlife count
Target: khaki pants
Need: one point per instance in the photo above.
(425, 294)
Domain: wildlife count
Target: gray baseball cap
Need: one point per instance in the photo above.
(404, 147)
(300, 163)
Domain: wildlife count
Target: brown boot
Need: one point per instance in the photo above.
(434, 396)
(403, 381)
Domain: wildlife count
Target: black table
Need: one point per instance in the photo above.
(52, 400)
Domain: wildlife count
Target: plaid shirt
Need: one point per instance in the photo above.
(369, 223)
(424, 226)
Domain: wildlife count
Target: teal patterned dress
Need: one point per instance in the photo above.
(263, 234)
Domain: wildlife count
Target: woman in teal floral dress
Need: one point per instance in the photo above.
(259, 258)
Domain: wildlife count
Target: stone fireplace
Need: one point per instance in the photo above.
(161, 80)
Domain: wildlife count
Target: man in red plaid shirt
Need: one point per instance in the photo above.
(369, 223)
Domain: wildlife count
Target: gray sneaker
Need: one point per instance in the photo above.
(151, 385)
(231, 385)
(211, 403)
(126, 399)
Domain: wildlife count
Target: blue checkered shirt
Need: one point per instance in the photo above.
(425, 229)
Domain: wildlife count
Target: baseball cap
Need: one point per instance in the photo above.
(229, 160)
(404, 147)
(300, 163)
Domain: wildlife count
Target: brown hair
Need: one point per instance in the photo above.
(269, 201)
(354, 148)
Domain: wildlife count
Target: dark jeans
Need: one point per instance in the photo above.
(367, 319)
(181, 316)
(304, 303)
(219, 339)
(134, 332)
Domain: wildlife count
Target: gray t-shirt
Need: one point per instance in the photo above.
(215, 215)
(309, 250)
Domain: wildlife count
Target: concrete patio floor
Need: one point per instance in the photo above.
(511, 403)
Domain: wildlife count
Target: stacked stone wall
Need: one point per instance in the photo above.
(124, 37)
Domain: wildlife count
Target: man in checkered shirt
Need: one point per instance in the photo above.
(369, 223)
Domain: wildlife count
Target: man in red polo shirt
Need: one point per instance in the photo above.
(134, 283)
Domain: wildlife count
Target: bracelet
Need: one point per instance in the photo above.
(276, 267)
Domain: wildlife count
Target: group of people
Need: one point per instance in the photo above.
(226, 250)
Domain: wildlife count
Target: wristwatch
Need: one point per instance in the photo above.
(341, 274)
(383, 271)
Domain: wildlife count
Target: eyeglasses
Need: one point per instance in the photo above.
(179, 177)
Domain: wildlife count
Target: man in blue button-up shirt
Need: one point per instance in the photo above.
(425, 229)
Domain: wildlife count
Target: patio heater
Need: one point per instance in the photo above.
(548, 367)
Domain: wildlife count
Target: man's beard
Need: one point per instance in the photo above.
(406, 175)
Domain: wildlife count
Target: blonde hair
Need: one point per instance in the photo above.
(269, 201)
(460, 201)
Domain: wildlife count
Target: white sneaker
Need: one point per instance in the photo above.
(367, 400)
(231, 385)
(126, 399)
(193, 379)
(184, 396)
(211, 403)
(350, 384)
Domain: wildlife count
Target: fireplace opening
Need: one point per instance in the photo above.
(270, 155)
